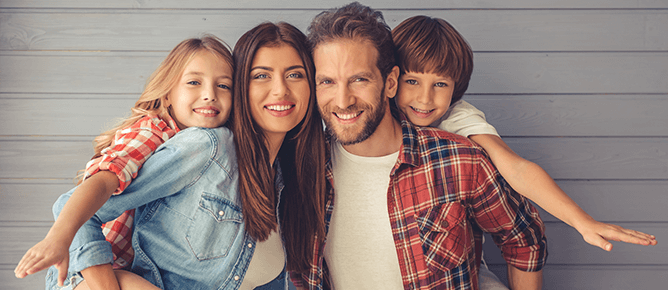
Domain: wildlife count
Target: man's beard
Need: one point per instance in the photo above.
(374, 112)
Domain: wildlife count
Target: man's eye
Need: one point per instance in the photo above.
(325, 82)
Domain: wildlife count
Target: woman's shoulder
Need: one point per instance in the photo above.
(200, 140)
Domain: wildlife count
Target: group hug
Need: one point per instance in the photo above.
(343, 158)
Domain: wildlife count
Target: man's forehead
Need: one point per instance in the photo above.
(350, 55)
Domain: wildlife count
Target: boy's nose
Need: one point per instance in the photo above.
(426, 96)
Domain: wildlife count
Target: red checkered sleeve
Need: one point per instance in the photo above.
(130, 149)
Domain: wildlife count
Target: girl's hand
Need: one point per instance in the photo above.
(50, 251)
(599, 234)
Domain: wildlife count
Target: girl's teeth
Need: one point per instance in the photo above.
(206, 111)
(279, 107)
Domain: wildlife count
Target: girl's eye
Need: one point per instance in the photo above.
(194, 83)
(441, 84)
(411, 82)
(224, 86)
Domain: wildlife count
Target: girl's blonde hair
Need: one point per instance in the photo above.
(151, 101)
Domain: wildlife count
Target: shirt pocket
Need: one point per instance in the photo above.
(444, 235)
(214, 227)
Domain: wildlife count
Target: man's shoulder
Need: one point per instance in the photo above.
(446, 139)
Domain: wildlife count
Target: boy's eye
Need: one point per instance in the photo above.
(194, 83)
(223, 86)
(441, 84)
(411, 82)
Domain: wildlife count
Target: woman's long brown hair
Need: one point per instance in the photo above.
(301, 156)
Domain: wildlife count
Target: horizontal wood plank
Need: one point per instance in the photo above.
(32, 282)
(30, 202)
(16, 240)
(566, 246)
(623, 277)
(618, 200)
(575, 115)
(562, 158)
(495, 73)
(322, 4)
(485, 30)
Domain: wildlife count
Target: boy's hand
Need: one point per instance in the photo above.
(50, 251)
(598, 234)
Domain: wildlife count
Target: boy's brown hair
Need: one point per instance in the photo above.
(431, 45)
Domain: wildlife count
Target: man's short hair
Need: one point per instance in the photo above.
(431, 45)
(355, 22)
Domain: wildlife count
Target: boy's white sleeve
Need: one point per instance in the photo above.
(464, 119)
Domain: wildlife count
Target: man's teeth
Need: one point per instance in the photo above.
(279, 107)
(347, 116)
(206, 111)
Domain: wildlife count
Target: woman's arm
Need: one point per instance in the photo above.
(530, 180)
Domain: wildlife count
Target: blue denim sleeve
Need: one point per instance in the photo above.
(174, 166)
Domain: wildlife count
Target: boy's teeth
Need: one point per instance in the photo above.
(421, 111)
(279, 107)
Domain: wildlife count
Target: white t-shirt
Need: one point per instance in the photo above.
(360, 250)
(464, 119)
(266, 264)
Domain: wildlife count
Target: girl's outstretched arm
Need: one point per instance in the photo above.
(54, 248)
(531, 181)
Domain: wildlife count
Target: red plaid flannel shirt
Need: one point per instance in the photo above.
(443, 191)
(130, 149)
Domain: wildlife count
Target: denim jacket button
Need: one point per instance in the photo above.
(236, 278)
(250, 245)
(221, 213)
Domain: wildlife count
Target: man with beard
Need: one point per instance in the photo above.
(410, 203)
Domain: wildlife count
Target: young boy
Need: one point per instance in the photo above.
(436, 64)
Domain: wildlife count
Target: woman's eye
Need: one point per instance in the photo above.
(194, 83)
(295, 75)
(411, 82)
(260, 76)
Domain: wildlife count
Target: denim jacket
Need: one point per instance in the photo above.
(189, 231)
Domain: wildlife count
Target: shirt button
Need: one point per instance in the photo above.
(444, 224)
(113, 155)
(221, 212)
(236, 278)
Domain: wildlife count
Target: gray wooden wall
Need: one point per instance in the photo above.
(579, 87)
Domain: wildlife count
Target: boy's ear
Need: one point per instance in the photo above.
(392, 82)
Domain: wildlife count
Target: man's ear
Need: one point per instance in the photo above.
(392, 82)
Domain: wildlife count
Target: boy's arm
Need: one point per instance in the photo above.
(54, 249)
(530, 180)
(520, 280)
